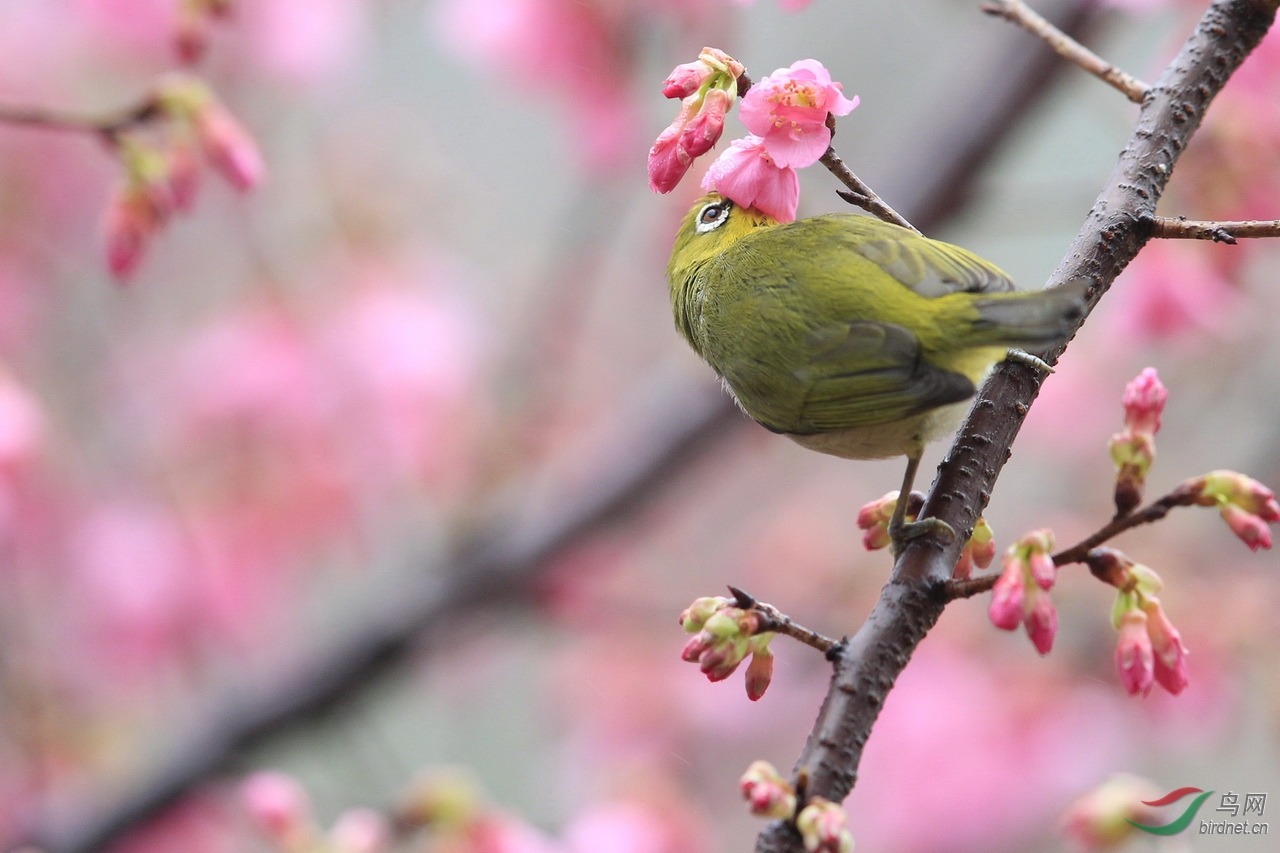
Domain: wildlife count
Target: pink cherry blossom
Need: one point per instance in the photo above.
(748, 175)
(789, 108)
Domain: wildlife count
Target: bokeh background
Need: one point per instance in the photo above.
(443, 319)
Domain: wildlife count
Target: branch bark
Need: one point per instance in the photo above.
(1115, 229)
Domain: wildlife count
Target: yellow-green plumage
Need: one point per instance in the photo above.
(850, 335)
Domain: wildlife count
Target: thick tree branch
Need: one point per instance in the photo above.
(1111, 237)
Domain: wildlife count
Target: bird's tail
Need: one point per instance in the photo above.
(1033, 320)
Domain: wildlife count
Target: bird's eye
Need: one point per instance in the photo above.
(713, 216)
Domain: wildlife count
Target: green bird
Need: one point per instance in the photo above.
(849, 335)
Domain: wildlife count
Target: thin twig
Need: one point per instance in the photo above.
(859, 193)
(108, 126)
(1180, 228)
(1153, 512)
(1024, 16)
(780, 623)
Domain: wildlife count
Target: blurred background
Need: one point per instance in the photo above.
(392, 476)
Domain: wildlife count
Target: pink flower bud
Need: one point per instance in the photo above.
(279, 805)
(766, 792)
(1232, 487)
(695, 616)
(687, 79)
(1008, 593)
(132, 219)
(668, 161)
(1100, 819)
(704, 129)
(1166, 645)
(1035, 549)
(231, 150)
(823, 827)
(1134, 657)
(874, 519)
(722, 62)
(1251, 529)
(721, 660)
(759, 674)
(694, 649)
(1041, 622)
(1144, 400)
(184, 174)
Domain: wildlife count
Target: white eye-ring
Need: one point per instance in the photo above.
(712, 216)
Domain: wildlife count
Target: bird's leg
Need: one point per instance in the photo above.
(902, 531)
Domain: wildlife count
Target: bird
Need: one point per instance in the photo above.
(849, 335)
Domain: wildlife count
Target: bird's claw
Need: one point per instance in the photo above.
(900, 535)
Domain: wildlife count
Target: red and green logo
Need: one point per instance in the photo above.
(1183, 820)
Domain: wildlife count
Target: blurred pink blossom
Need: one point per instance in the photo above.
(133, 585)
(630, 827)
(126, 27)
(132, 219)
(746, 174)
(785, 5)
(22, 424)
(196, 824)
(408, 368)
(1171, 290)
(572, 49)
(360, 830)
(280, 806)
(304, 42)
(964, 753)
(229, 147)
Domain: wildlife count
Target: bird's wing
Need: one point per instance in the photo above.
(928, 267)
(862, 373)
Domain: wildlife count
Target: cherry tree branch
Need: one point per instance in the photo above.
(1179, 228)
(107, 125)
(1024, 16)
(1114, 231)
(1152, 512)
(775, 621)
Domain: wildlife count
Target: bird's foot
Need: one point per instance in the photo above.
(1032, 361)
(900, 535)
